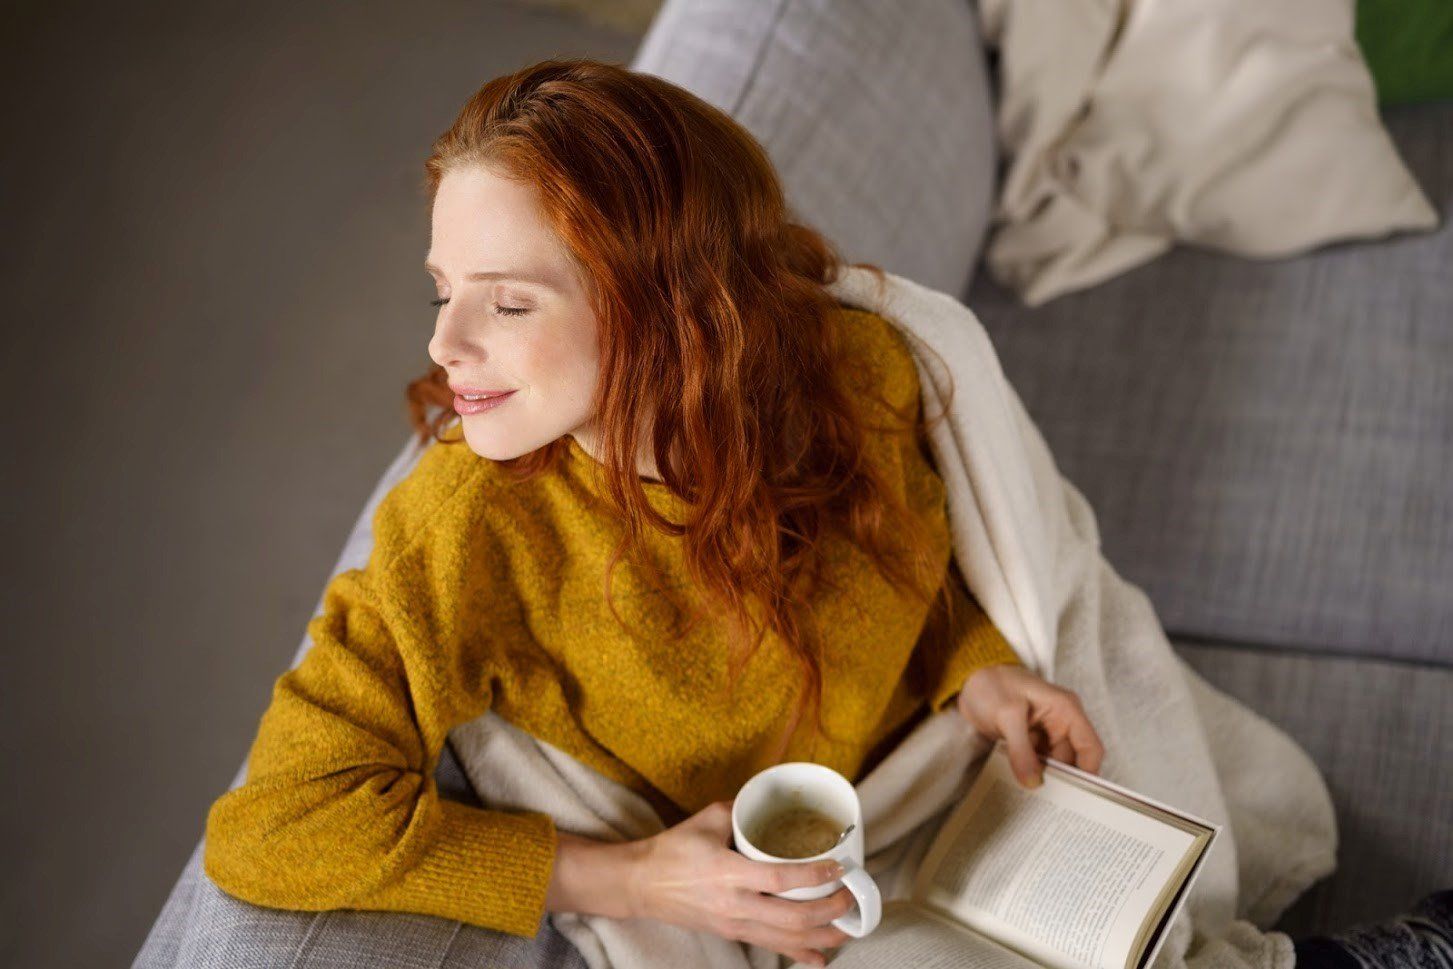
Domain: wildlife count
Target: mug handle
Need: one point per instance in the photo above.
(869, 911)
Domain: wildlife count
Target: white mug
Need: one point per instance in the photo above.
(823, 789)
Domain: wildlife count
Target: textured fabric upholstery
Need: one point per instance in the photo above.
(202, 927)
(1268, 445)
(879, 123)
(1382, 734)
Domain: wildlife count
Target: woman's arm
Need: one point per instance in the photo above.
(340, 808)
(973, 643)
(594, 877)
(1009, 701)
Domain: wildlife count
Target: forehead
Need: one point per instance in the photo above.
(481, 220)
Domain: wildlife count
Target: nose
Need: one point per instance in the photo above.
(452, 345)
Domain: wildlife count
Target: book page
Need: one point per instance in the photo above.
(1061, 874)
(912, 936)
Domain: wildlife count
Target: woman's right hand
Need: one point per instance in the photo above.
(689, 875)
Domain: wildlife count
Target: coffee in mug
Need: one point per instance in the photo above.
(797, 811)
(796, 831)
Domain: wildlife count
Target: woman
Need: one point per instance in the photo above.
(696, 531)
(677, 517)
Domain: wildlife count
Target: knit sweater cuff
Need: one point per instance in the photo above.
(488, 868)
(983, 645)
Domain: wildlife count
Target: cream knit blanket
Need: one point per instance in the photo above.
(1028, 546)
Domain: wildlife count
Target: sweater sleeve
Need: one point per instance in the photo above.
(974, 642)
(339, 807)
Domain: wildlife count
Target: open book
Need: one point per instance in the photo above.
(1078, 873)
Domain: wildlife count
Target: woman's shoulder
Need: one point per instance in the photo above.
(883, 365)
(441, 495)
(880, 356)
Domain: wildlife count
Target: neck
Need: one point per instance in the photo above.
(645, 464)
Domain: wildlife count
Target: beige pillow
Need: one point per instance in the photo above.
(1245, 126)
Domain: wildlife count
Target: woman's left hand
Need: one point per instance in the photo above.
(1032, 716)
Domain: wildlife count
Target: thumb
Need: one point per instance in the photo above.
(1014, 724)
(717, 817)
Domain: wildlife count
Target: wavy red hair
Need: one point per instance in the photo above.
(715, 332)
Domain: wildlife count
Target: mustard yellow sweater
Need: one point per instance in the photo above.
(481, 593)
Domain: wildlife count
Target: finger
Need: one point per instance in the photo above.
(744, 930)
(784, 913)
(1089, 752)
(1012, 724)
(715, 819)
(1078, 743)
(782, 940)
(1038, 738)
(774, 877)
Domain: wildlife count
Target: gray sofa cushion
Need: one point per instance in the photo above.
(202, 927)
(880, 124)
(1382, 734)
(1268, 445)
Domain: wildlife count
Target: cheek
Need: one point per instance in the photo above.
(559, 369)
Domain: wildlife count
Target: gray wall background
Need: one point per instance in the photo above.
(214, 295)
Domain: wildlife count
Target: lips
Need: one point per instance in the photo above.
(478, 391)
(463, 405)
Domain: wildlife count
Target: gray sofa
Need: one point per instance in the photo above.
(1268, 447)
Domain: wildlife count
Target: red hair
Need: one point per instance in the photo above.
(716, 331)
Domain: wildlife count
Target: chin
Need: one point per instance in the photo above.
(490, 448)
(494, 446)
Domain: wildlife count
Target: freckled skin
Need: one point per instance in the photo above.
(482, 221)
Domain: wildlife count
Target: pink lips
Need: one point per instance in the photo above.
(462, 406)
(474, 391)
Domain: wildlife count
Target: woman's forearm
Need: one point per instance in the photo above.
(593, 877)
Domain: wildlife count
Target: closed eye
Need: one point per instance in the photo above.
(503, 310)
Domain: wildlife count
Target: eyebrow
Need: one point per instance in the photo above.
(482, 276)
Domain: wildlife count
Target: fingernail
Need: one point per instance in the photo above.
(838, 869)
